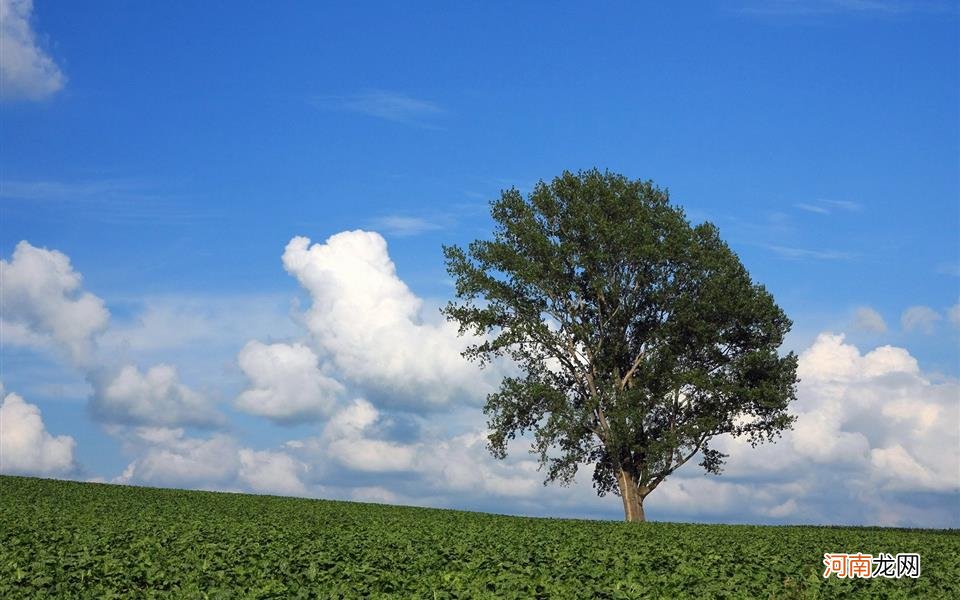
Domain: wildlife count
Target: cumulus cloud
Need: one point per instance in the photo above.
(271, 473)
(154, 397)
(871, 431)
(26, 71)
(286, 384)
(869, 320)
(44, 305)
(869, 440)
(882, 396)
(26, 448)
(431, 466)
(374, 330)
(919, 318)
(346, 440)
(46, 308)
(168, 457)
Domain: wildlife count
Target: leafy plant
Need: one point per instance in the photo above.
(68, 539)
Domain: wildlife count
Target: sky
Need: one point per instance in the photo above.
(221, 229)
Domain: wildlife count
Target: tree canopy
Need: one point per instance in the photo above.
(638, 337)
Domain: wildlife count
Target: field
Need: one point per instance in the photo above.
(66, 539)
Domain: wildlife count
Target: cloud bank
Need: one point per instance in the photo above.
(394, 413)
(45, 308)
(873, 435)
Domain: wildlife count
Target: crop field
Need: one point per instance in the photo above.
(65, 539)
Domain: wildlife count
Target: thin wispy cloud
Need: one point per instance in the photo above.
(113, 201)
(403, 226)
(812, 208)
(947, 268)
(813, 8)
(808, 254)
(844, 205)
(46, 190)
(826, 207)
(390, 106)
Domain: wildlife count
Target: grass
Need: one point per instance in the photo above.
(70, 539)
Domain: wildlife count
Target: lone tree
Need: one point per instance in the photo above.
(638, 337)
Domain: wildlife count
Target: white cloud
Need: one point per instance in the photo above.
(286, 383)
(401, 226)
(869, 439)
(155, 397)
(826, 207)
(346, 441)
(463, 464)
(812, 208)
(44, 305)
(903, 472)
(168, 457)
(431, 466)
(271, 473)
(871, 427)
(868, 319)
(870, 431)
(178, 322)
(919, 318)
(391, 106)
(26, 71)
(846, 205)
(953, 314)
(26, 448)
(807, 253)
(870, 436)
(375, 494)
(374, 330)
(829, 359)
(45, 308)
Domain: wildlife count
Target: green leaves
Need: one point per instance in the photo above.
(100, 541)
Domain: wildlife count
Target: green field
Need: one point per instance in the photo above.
(65, 539)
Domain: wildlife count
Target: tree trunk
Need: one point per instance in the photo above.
(632, 500)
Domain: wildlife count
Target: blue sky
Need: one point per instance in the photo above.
(172, 151)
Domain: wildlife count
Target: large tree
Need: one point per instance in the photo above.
(638, 337)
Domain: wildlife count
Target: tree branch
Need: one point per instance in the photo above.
(633, 369)
(659, 477)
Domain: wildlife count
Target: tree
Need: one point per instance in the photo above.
(638, 337)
